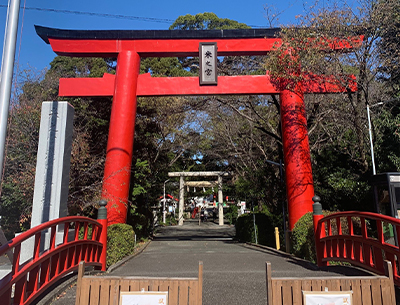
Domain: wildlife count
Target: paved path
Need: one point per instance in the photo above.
(234, 273)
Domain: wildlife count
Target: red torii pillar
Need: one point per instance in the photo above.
(117, 169)
(127, 85)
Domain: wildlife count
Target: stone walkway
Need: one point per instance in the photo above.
(234, 273)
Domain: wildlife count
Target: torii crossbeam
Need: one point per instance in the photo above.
(127, 85)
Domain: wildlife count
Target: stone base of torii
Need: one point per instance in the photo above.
(181, 176)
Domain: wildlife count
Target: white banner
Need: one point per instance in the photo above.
(144, 298)
(327, 298)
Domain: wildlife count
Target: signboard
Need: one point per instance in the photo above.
(144, 298)
(208, 63)
(327, 298)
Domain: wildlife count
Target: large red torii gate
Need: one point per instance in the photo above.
(129, 46)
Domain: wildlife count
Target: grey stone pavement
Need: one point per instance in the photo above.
(234, 273)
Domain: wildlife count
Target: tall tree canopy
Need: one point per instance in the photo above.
(235, 133)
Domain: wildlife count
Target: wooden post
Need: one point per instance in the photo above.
(269, 282)
(81, 271)
(200, 289)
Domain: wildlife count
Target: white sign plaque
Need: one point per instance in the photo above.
(208, 63)
(327, 298)
(144, 298)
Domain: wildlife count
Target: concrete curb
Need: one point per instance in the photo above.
(311, 265)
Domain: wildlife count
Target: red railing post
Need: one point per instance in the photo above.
(317, 215)
(102, 219)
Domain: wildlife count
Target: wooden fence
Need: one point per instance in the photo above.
(366, 290)
(105, 290)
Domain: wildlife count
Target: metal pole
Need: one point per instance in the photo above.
(370, 140)
(164, 202)
(254, 223)
(7, 68)
(283, 199)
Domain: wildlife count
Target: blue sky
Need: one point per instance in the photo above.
(37, 55)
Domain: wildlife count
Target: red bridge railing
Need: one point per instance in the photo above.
(82, 239)
(360, 238)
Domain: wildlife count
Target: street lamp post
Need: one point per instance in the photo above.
(164, 212)
(370, 131)
(370, 139)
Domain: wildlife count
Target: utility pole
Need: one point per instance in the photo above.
(7, 68)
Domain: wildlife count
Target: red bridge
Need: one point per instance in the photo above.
(360, 238)
(88, 242)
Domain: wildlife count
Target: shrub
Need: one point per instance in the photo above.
(264, 225)
(120, 242)
(232, 214)
(303, 242)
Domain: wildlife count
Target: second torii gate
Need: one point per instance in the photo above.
(181, 176)
(129, 46)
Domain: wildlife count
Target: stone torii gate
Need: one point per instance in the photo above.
(181, 176)
(127, 84)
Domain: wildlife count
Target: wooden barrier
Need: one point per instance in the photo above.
(371, 290)
(105, 290)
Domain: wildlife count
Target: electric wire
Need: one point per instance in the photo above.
(104, 15)
(117, 16)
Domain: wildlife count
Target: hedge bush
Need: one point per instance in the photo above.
(303, 241)
(232, 214)
(120, 242)
(265, 229)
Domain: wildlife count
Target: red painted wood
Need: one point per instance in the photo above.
(117, 169)
(179, 47)
(103, 240)
(361, 250)
(49, 266)
(299, 180)
(160, 48)
(169, 86)
(316, 219)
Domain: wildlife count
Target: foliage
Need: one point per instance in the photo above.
(169, 220)
(265, 227)
(387, 140)
(303, 242)
(232, 214)
(120, 242)
(205, 21)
